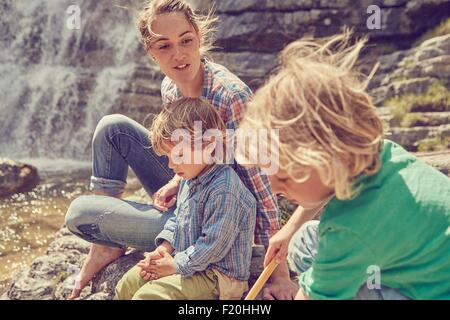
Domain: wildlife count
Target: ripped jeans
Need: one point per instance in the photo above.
(303, 249)
(119, 143)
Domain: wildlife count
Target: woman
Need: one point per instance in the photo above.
(384, 214)
(177, 39)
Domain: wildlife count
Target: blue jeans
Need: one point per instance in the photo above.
(119, 143)
(303, 249)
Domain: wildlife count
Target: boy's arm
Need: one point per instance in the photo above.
(280, 285)
(166, 246)
(165, 237)
(221, 224)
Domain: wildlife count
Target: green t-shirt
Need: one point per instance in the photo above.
(400, 223)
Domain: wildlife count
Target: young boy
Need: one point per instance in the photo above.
(384, 230)
(204, 252)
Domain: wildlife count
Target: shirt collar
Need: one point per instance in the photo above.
(205, 177)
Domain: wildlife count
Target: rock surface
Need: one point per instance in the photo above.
(52, 276)
(16, 177)
(413, 72)
(440, 160)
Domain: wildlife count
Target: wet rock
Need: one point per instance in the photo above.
(106, 281)
(16, 177)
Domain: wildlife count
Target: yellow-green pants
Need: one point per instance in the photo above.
(201, 286)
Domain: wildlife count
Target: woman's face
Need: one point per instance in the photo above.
(306, 194)
(176, 48)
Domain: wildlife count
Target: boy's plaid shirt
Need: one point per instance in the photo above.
(228, 94)
(213, 224)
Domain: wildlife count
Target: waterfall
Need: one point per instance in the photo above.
(56, 83)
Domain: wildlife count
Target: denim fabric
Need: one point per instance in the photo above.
(120, 143)
(302, 250)
(115, 222)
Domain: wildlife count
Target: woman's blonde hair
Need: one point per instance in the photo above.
(325, 118)
(183, 114)
(203, 24)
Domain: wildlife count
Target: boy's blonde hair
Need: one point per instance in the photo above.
(182, 114)
(203, 24)
(325, 118)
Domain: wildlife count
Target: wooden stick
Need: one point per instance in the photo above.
(262, 279)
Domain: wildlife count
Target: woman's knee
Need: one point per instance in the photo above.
(80, 212)
(109, 124)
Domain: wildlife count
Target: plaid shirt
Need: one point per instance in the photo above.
(213, 224)
(228, 94)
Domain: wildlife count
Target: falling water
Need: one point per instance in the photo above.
(56, 83)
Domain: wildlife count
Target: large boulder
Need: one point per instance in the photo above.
(412, 71)
(268, 25)
(413, 87)
(16, 177)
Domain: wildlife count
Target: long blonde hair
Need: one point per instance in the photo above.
(203, 24)
(326, 120)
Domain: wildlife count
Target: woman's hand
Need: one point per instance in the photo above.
(278, 245)
(165, 197)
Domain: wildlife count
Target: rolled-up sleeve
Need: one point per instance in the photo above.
(168, 232)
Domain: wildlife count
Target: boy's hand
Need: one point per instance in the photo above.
(157, 254)
(278, 245)
(145, 264)
(165, 197)
(163, 267)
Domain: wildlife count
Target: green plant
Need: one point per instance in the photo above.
(435, 98)
(433, 144)
(441, 29)
(411, 120)
(418, 119)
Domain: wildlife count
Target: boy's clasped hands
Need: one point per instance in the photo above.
(158, 263)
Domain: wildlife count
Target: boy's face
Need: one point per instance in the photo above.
(305, 193)
(187, 162)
